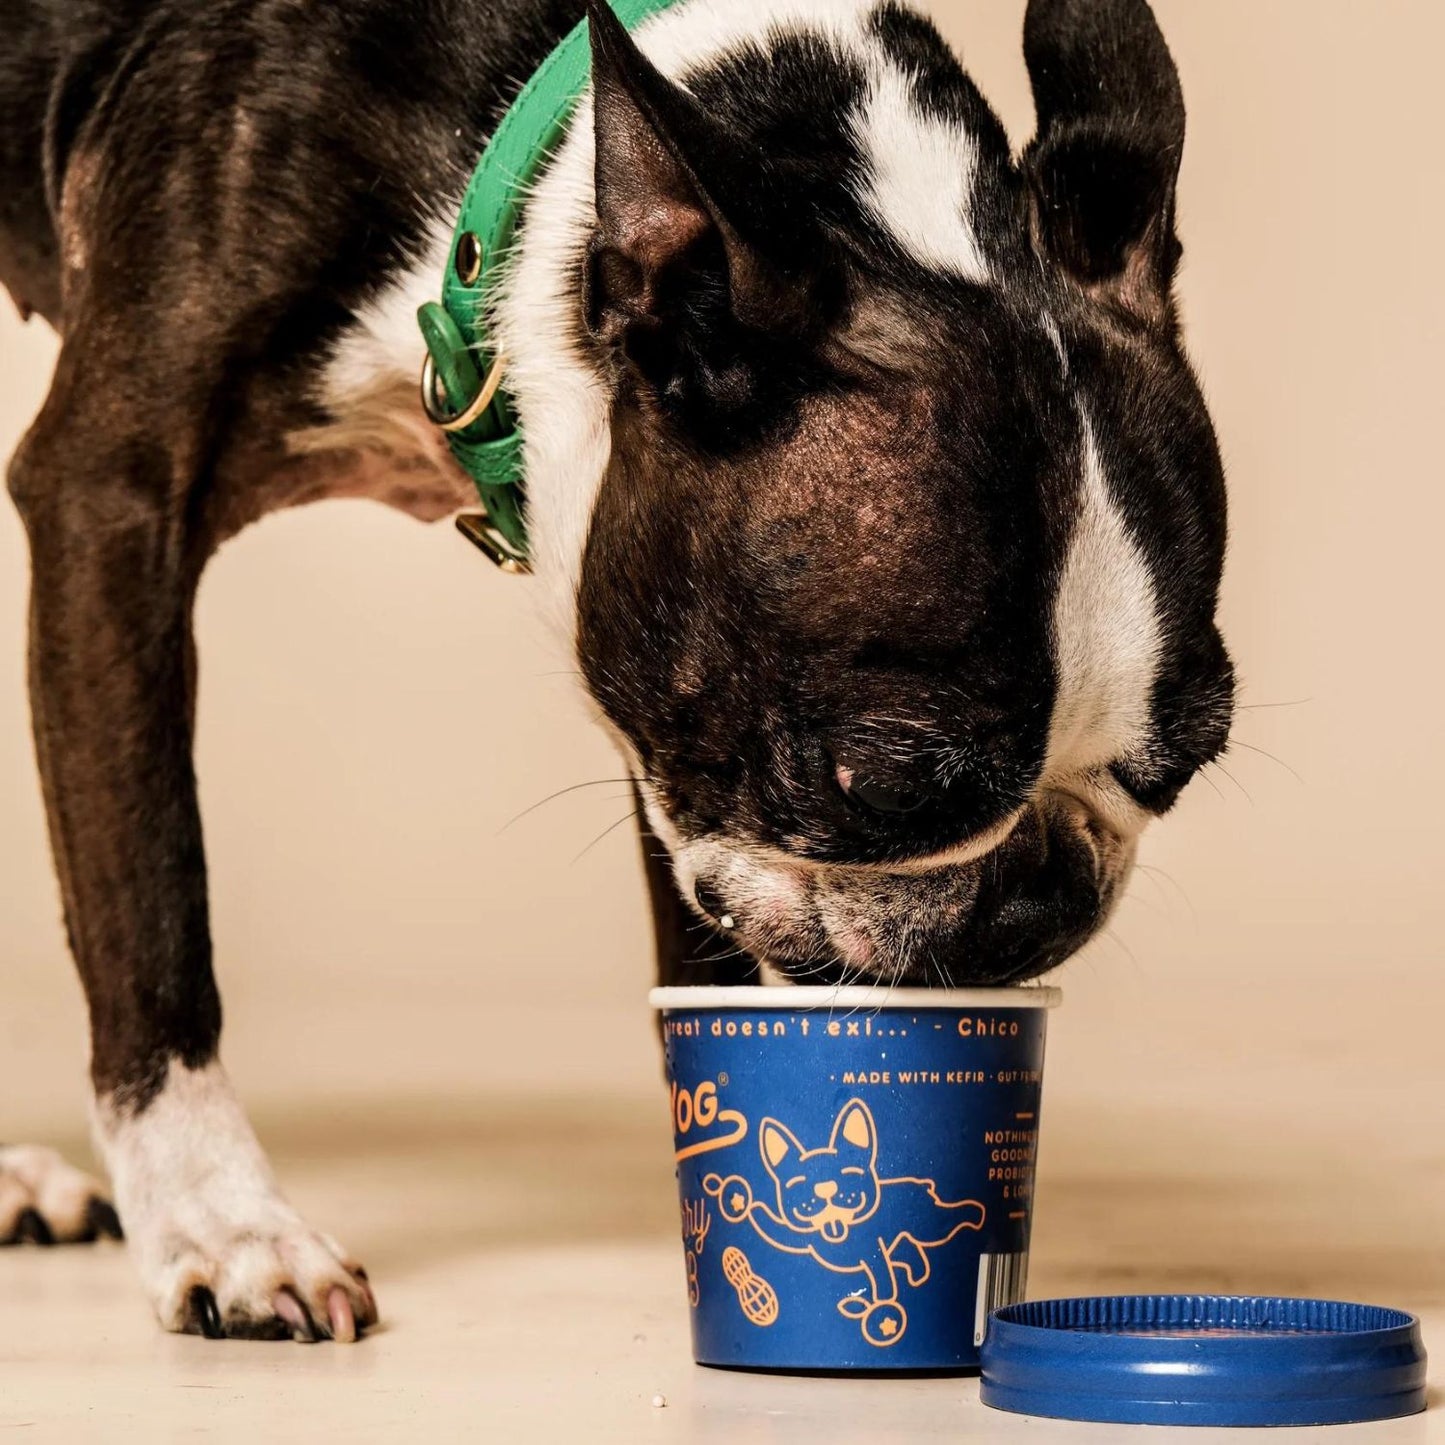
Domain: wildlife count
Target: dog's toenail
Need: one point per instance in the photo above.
(102, 1221)
(31, 1227)
(296, 1317)
(203, 1313)
(371, 1313)
(343, 1321)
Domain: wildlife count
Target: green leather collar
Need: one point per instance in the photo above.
(464, 379)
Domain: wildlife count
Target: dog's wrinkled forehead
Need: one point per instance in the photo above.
(889, 523)
(896, 489)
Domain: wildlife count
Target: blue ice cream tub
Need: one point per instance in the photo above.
(855, 1169)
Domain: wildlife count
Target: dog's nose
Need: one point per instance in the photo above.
(826, 1190)
(711, 903)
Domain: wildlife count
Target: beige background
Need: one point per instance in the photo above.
(1245, 1081)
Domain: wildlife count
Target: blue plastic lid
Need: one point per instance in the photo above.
(1203, 1360)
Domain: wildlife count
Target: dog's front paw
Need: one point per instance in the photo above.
(44, 1200)
(270, 1278)
(220, 1251)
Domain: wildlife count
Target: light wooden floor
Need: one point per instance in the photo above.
(526, 1261)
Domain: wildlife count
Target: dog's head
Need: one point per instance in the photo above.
(901, 580)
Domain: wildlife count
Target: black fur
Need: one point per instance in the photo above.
(817, 596)
(1104, 164)
(739, 625)
(843, 481)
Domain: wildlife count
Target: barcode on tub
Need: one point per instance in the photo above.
(1002, 1279)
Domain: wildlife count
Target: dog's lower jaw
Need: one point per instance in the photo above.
(218, 1248)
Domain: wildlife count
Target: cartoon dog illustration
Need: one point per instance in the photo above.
(831, 1204)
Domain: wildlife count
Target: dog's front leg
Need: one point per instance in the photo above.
(107, 502)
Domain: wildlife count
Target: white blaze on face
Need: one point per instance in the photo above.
(920, 175)
(1105, 634)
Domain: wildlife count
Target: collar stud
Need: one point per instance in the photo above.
(468, 259)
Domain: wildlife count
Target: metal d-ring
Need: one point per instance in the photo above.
(479, 403)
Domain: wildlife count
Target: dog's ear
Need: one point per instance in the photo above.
(673, 277)
(1103, 165)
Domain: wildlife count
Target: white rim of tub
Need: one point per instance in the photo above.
(807, 997)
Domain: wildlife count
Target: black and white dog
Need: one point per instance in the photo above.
(863, 464)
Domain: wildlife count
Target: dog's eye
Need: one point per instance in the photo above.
(875, 797)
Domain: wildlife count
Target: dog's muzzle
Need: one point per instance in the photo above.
(1017, 910)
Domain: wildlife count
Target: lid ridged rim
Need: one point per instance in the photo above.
(1228, 1360)
(1255, 1317)
(851, 996)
